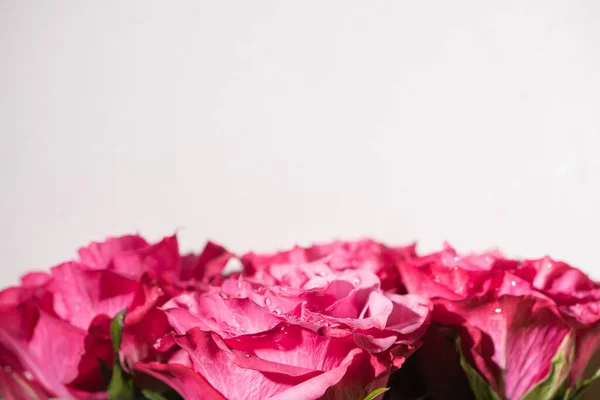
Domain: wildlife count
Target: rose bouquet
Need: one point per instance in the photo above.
(346, 320)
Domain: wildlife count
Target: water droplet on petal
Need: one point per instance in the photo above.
(267, 301)
(498, 310)
(224, 295)
(548, 265)
(247, 355)
(239, 284)
(513, 283)
(436, 278)
(27, 375)
(356, 281)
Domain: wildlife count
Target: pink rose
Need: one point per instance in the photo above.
(56, 325)
(333, 334)
(513, 318)
(57, 328)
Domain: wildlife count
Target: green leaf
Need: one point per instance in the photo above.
(578, 390)
(121, 385)
(116, 329)
(481, 389)
(376, 393)
(551, 385)
(151, 395)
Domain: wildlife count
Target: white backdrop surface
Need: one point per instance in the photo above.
(261, 124)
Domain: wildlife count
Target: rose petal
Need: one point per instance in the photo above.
(84, 293)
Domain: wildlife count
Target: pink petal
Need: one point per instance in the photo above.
(207, 265)
(241, 375)
(85, 293)
(162, 257)
(49, 349)
(35, 279)
(98, 255)
(182, 379)
(230, 317)
(587, 345)
(15, 386)
(218, 366)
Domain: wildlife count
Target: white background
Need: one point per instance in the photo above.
(264, 123)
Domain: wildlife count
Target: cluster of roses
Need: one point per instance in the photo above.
(345, 320)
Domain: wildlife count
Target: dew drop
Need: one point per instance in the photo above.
(498, 310)
(277, 311)
(28, 375)
(267, 301)
(356, 281)
(224, 295)
(549, 265)
(456, 259)
(513, 283)
(239, 284)
(247, 355)
(436, 278)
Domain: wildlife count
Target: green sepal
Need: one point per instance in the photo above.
(151, 395)
(116, 329)
(552, 385)
(121, 385)
(375, 393)
(481, 389)
(578, 390)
